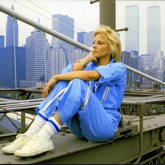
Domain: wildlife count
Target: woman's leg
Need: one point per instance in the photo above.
(92, 121)
(47, 104)
(68, 103)
(35, 145)
(47, 107)
(95, 124)
(39, 120)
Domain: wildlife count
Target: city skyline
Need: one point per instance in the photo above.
(47, 10)
(119, 21)
(143, 4)
(40, 60)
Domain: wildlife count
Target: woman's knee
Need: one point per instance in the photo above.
(77, 82)
(62, 84)
(79, 86)
(58, 87)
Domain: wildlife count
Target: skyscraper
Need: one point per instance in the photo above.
(36, 48)
(64, 25)
(11, 31)
(8, 68)
(85, 38)
(153, 30)
(61, 50)
(132, 22)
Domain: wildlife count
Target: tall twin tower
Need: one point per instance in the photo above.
(151, 31)
(131, 20)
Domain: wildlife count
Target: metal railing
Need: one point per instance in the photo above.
(94, 1)
(54, 33)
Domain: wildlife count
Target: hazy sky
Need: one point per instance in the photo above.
(142, 4)
(86, 15)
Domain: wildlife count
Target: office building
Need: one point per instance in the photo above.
(132, 22)
(153, 30)
(11, 31)
(36, 49)
(12, 71)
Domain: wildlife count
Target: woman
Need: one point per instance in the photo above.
(86, 97)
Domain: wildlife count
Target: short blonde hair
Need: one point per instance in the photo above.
(113, 41)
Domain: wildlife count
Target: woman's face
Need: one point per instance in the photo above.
(100, 46)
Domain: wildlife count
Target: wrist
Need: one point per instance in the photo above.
(83, 62)
(90, 58)
(87, 59)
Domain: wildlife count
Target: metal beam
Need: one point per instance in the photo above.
(18, 16)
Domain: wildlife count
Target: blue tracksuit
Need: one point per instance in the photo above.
(89, 108)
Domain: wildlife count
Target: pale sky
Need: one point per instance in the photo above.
(86, 15)
(142, 4)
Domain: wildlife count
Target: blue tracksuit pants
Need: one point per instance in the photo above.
(80, 109)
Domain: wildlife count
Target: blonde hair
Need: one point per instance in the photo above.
(113, 41)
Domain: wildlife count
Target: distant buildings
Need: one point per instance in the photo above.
(60, 50)
(62, 53)
(33, 65)
(12, 57)
(132, 22)
(85, 38)
(11, 31)
(8, 70)
(131, 59)
(150, 62)
(153, 30)
(64, 25)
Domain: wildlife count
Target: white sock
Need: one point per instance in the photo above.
(35, 126)
(50, 128)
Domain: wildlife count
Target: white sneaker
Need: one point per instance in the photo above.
(20, 140)
(35, 146)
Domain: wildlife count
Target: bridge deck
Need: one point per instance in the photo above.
(69, 149)
(67, 146)
(8, 106)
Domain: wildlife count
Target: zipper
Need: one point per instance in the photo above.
(105, 94)
(95, 87)
(86, 98)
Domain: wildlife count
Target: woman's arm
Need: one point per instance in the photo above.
(84, 75)
(78, 72)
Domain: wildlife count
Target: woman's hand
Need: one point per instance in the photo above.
(80, 64)
(48, 87)
(90, 57)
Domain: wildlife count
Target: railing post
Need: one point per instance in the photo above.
(141, 111)
(108, 13)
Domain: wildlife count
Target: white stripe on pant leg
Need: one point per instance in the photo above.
(86, 97)
(50, 102)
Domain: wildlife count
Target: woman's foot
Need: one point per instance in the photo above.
(35, 146)
(18, 143)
